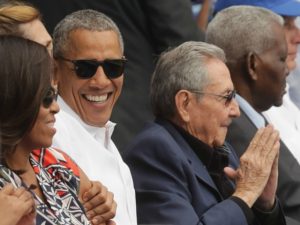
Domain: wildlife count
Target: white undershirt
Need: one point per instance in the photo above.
(96, 154)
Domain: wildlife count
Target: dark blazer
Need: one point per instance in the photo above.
(172, 185)
(239, 135)
(148, 27)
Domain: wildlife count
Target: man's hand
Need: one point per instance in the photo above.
(256, 178)
(99, 204)
(264, 201)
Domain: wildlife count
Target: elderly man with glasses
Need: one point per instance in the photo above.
(180, 163)
(89, 65)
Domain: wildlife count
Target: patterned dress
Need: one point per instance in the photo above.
(58, 177)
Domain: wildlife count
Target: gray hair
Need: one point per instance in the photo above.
(183, 67)
(239, 30)
(87, 19)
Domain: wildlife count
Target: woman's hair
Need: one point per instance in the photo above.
(25, 78)
(14, 13)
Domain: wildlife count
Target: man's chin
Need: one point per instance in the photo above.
(278, 103)
(291, 64)
(219, 143)
(96, 122)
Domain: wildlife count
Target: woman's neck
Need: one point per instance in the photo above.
(19, 163)
(19, 159)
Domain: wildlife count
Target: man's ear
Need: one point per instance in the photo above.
(182, 101)
(252, 62)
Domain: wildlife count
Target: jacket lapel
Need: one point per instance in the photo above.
(196, 164)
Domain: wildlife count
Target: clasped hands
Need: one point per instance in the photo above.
(257, 176)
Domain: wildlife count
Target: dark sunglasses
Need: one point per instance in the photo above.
(228, 98)
(85, 68)
(49, 97)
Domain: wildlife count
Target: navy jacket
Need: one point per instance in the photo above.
(172, 184)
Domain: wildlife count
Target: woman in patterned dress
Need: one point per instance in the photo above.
(22, 19)
(27, 109)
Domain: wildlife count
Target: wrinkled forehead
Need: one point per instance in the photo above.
(83, 38)
(291, 25)
(288, 20)
(219, 76)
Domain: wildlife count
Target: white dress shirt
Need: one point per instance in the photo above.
(96, 154)
(286, 119)
(254, 116)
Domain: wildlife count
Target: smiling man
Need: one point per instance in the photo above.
(88, 51)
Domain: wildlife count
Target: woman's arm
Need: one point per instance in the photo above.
(203, 16)
(96, 199)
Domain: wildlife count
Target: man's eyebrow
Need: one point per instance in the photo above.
(227, 91)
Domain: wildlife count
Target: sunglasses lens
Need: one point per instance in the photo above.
(85, 69)
(113, 68)
(230, 97)
(49, 97)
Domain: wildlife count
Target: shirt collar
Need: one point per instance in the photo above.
(254, 116)
(215, 159)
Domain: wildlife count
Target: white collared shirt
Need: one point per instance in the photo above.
(254, 116)
(286, 119)
(96, 154)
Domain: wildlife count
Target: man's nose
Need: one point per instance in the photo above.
(100, 78)
(235, 109)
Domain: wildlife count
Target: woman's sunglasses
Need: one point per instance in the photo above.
(50, 96)
(85, 68)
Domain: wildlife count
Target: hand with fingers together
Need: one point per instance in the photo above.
(99, 204)
(27, 199)
(17, 206)
(257, 176)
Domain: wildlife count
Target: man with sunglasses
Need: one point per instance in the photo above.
(256, 51)
(179, 162)
(89, 66)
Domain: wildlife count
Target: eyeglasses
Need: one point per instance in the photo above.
(86, 68)
(228, 98)
(50, 96)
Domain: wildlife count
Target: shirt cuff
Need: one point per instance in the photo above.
(274, 216)
(245, 208)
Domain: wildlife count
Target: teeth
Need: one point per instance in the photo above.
(95, 98)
